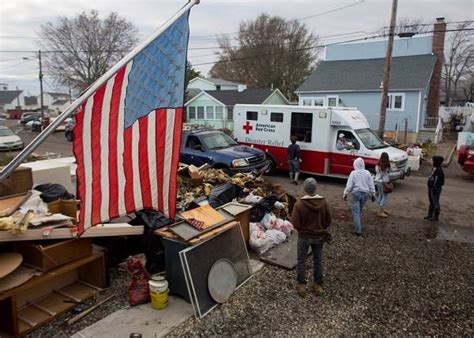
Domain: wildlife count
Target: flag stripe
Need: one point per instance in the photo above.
(79, 154)
(137, 191)
(86, 141)
(112, 135)
(174, 165)
(121, 145)
(104, 151)
(152, 142)
(128, 171)
(143, 161)
(168, 155)
(160, 150)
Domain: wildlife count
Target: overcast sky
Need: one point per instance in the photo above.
(20, 21)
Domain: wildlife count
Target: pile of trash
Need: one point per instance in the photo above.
(269, 225)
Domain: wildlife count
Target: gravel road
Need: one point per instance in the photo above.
(390, 282)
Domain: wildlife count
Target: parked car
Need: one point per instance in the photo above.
(220, 151)
(9, 140)
(68, 129)
(29, 116)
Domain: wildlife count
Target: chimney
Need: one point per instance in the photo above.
(439, 30)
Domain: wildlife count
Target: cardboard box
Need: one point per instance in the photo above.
(65, 207)
(19, 181)
(48, 255)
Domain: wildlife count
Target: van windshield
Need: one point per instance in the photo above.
(217, 141)
(370, 139)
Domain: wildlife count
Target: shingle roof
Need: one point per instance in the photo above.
(56, 95)
(192, 92)
(31, 100)
(7, 96)
(248, 96)
(59, 102)
(222, 82)
(407, 72)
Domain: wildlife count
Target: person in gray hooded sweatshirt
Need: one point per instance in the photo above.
(311, 218)
(361, 185)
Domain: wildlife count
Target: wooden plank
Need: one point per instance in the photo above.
(104, 230)
(212, 233)
(283, 255)
(9, 204)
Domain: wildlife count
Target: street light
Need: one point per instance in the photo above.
(41, 85)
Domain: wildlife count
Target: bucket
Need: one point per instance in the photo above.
(158, 293)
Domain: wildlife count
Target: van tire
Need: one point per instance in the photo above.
(224, 168)
(272, 168)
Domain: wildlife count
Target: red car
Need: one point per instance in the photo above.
(466, 158)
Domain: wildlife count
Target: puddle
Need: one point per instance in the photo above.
(450, 233)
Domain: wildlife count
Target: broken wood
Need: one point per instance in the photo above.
(89, 310)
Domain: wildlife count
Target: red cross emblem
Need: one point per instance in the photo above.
(247, 127)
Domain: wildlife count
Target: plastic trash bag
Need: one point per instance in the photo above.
(138, 290)
(223, 194)
(275, 236)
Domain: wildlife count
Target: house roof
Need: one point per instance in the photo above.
(407, 72)
(7, 96)
(57, 95)
(31, 100)
(59, 102)
(248, 96)
(191, 93)
(222, 82)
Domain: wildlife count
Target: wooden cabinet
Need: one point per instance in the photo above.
(41, 299)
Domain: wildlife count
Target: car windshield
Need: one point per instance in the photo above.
(370, 139)
(217, 141)
(6, 132)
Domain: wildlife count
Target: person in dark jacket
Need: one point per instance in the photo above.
(435, 185)
(311, 218)
(294, 160)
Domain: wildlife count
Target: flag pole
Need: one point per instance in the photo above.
(7, 170)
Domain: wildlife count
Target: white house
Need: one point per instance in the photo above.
(11, 99)
(215, 84)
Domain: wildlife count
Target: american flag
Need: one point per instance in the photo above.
(128, 133)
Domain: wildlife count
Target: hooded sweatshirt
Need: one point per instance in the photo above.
(359, 179)
(311, 217)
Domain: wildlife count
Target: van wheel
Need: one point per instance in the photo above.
(272, 167)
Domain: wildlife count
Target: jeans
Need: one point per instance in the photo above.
(293, 166)
(381, 196)
(302, 252)
(435, 208)
(358, 200)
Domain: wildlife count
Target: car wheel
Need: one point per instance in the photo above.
(271, 168)
(69, 136)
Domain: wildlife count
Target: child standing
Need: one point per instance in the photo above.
(435, 185)
(294, 160)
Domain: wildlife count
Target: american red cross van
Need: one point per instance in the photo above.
(330, 138)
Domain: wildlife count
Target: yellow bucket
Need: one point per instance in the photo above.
(158, 294)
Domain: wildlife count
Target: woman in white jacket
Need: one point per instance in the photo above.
(382, 175)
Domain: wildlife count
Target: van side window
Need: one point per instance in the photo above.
(345, 140)
(302, 126)
(276, 117)
(252, 115)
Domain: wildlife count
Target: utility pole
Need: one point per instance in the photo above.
(41, 87)
(386, 70)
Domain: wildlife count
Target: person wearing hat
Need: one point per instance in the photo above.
(435, 185)
(342, 142)
(311, 218)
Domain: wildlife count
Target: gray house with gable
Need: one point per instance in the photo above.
(352, 73)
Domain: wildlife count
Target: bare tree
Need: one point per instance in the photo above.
(85, 47)
(458, 62)
(271, 52)
(407, 25)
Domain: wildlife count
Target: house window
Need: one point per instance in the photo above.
(191, 113)
(276, 117)
(319, 101)
(219, 113)
(230, 114)
(302, 126)
(200, 113)
(252, 115)
(332, 101)
(396, 101)
(307, 102)
(210, 112)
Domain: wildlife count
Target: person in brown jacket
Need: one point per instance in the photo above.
(311, 218)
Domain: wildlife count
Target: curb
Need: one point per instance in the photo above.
(450, 157)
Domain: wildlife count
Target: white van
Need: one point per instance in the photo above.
(269, 127)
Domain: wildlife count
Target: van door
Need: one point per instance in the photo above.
(346, 149)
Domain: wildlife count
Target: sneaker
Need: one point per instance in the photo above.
(318, 289)
(382, 214)
(358, 234)
(301, 290)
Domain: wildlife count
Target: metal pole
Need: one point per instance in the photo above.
(41, 87)
(76, 104)
(386, 71)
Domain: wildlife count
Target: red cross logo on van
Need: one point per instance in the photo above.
(247, 127)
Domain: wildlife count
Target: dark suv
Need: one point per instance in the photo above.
(220, 151)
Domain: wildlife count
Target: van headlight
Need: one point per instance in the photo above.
(241, 162)
(393, 166)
